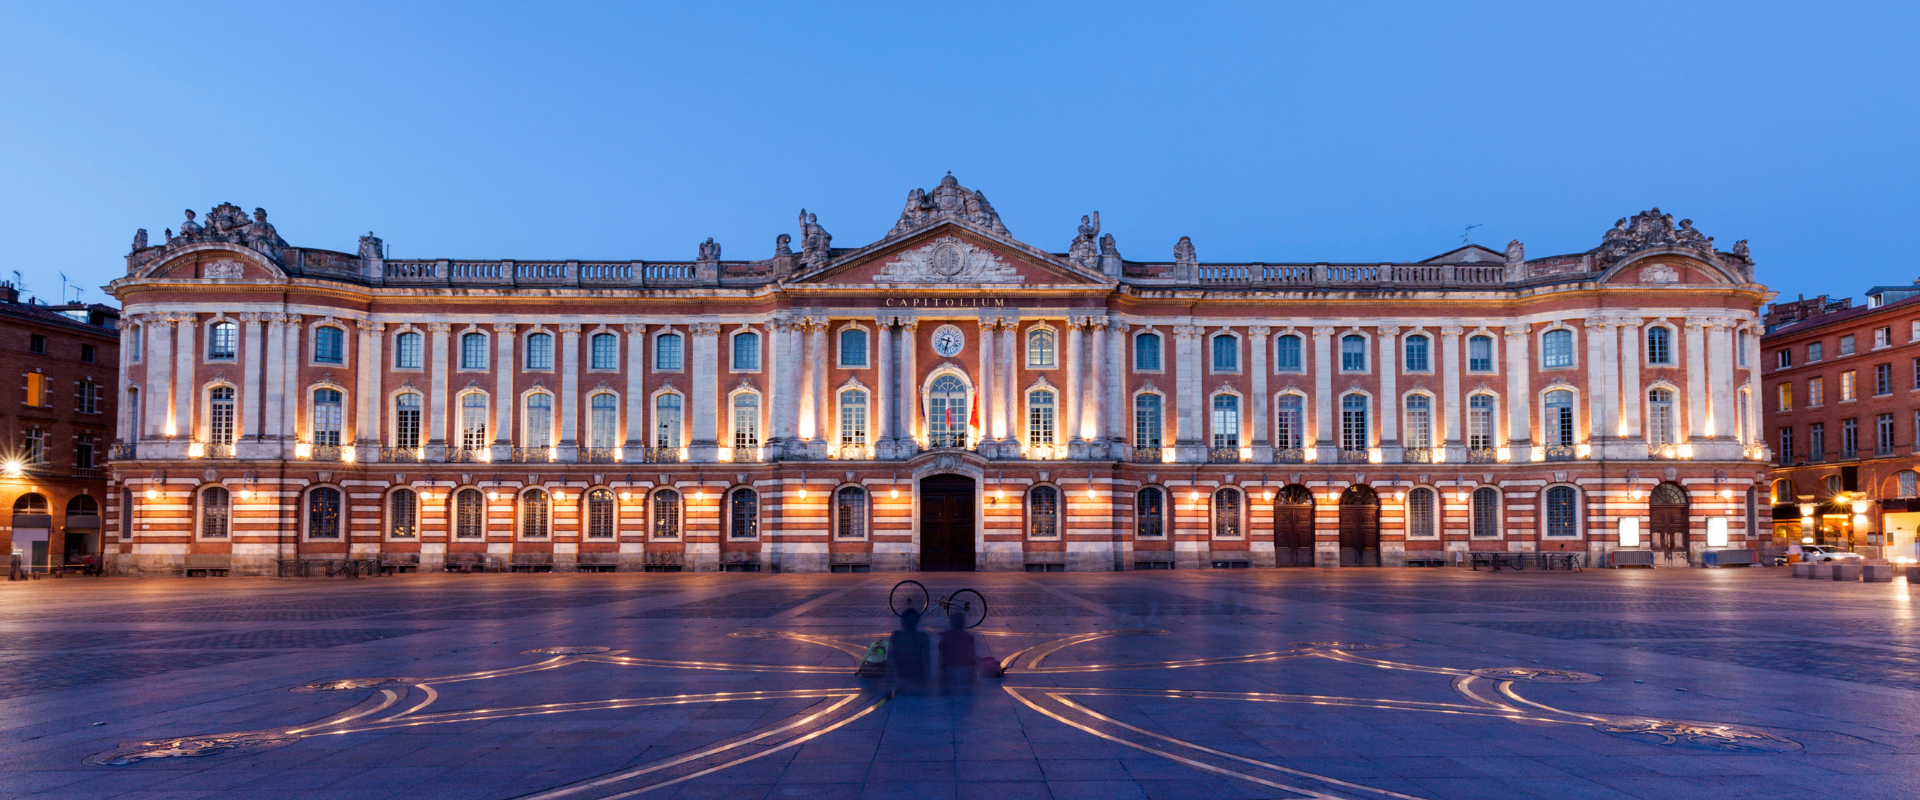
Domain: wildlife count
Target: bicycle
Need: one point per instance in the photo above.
(970, 604)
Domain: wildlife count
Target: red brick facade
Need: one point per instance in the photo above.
(57, 422)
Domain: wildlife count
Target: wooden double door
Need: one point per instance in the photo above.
(946, 523)
(1359, 527)
(1293, 527)
(1667, 531)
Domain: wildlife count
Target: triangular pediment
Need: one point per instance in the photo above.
(950, 253)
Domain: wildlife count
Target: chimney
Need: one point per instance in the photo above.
(9, 293)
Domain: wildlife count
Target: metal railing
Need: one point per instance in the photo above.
(1147, 455)
(400, 454)
(1223, 455)
(1356, 456)
(939, 441)
(531, 455)
(600, 455)
(1482, 455)
(1663, 451)
(325, 452)
(1290, 455)
(220, 450)
(1756, 452)
(468, 455)
(119, 451)
(851, 452)
(1562, 452)
(1416, 455)
(1043, 452)
(660, 455)
(747, 454)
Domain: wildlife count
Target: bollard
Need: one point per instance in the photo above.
(1877, 573)
(1913, 574)
(1846, 572)
(1822, 571)
(1802, 569)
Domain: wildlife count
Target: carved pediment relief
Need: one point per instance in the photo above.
(948, 259)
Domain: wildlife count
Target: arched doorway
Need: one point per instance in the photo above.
(1668, 521)
(32, 522)
(946, 523)
(947, 413)
(82, 529)
(1359, 527)
(1293, 527)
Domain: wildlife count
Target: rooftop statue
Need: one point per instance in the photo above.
(1647, 230)
(709, 250)
(816, 245)
(1183, 252)
(226, 223)
(1082, 250)
(949, 200)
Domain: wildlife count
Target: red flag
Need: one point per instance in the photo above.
(973, 417)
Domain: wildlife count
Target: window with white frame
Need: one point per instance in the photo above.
(323, 513)
(1847, 385)
(469, 514)
(853, 417)
(1226, 421)
(1040, 350)
(1659, 416)
(1289, 422)
(539, 420)
(600, 514)
(1909, 483)
(1040, 427)
(853, 348)
(850, 513)
(1559, 422)
(1816, 391)
(667, 352)
(137, 339)
(1043, 513)
(1353, 423)
(746, 352)
(603, 426)
(1742, 340)
(473, 350)
(1420, 514)
(1226, 513)
(1480, 421)
(1419, 358)
(1480, 354)
(1556, 348)
(1563, 512)
(1846, 345)
(666, 420)
(216, 512)
(329, 345)
(406, 420)
(1659, 345)
(1150, 513)
(1486, 513)
(1226, 353)
(220, 415)
(603, 351)
(1146, 420)
(1287, 356)
(403, 514)
(666, 514)
(1353, 353)
(947, 412)
(743, 513)
(535, 514)
(473, 421)
(746, 420)
(1815, 351)
(327, 404)
(222, 341)
(1419, 432)
(1146, 352)
(409, 351)
(539, 351)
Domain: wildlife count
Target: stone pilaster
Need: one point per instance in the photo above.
(1070, 400)
(1325, 413)
(1451, 435)
(569, 392)
(438, 334)
(1697, 392)
(251, 352)
(503, 396)
(635, 440)
(703, 401)
(1520, 399)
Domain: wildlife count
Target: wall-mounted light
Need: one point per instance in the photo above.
(153, 494)
(1629, 528)
(626, 497)
(896, 493)
(1716, 531)
(803, 492)
(246, 494)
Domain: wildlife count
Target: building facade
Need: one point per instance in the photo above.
(1842, 405)
(948, 397)
(57, 426)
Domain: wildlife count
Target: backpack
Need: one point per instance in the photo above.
(874, 663)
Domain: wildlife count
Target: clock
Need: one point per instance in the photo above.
(948, 340)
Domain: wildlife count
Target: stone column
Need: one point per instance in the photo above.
(273, 400)
(783, 384)
(1115, 370)
(158, 391)
(1258, 345)
(1190, 442)
(1093, 411)
(366, 428)
(991, 427)
(883, 387)
(250, 354)
(1519, 395)
(569, 392)
(1390, 408)
(1720, 374)
(290, 394)
(1452, 432)
(503, 397)
(1630, 393)
(1070, 400)
(703, 360)
(1697, 391)
(636, 422)
(819, 359)
(1325, 414)
(184, 359)
(1009, 384)
(437, 422)
(909, 385)
(1603, 419)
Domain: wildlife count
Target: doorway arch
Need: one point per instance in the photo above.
(946, 523)
(1293, 527)
(1668, 523)
(1359, 527)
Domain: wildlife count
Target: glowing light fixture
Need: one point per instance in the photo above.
(153, 494)
(1716, 531)
(1629, 528)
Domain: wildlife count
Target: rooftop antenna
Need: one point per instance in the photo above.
(1468, 231)
(63, 287)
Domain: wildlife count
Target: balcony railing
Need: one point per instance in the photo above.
(325, 452)
(1482, 455)
(1147, 455)
(531, 455)
(1663, 451)
(660, 455)
(748, 453)
(1356, 456)
(600, 455)
(1756, 452)
(468, 455)
(1562, 452)
(1290, 455)
(1043, 452)
(851, 452)
(400, 454)
(86, 472)
(938, 441)
(1223, 455)
(122, 451)
(1416, 455)
(220, 450)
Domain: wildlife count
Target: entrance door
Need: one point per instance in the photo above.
(1668, 519)
(1293, 527)
(946, 524)
(1359, 527)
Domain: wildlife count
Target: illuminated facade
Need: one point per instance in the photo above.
(948, 397)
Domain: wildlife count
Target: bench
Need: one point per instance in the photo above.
(393, 563)
(466, 562)
(1633, 558)
(1732, 558)
(664, 562)
(207, 564)
(597, 562)
(1426, 558)
(1495, 559)
(739, 562)
(531, 562)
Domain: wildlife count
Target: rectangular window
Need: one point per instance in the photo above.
(1816, 392)
(1817, 442)
(89, 353)
(746, 421)
(1226, 354)
(1783, 359)
(1353, 354)
(36, 446)
(666, 353)
(473, 351)
(1226, 421)
(1847, 387)
(139, 338)
(1287, 356)
(1916, 373)
(1882, 379)
(746, 352)
(1480, 354)
(853, 418)
(327, 404)
(1557, 348)
(1417, 360)
(220, 418)
(1288, 422)
(221, 343)
(666, 421)
(539, 420)
(853, 348)
(1480, 421)
(473, 421)
(1146, 353)
(604, 427)
(1883, 435)
(1786, 446)
(83, 451)
(605, 349)
(37, 343)
(407, 351)
(540, 351)
(37, 390)
(406, 421)
(329, 345)
(1786, 397)
(1419, 432)
(1846, 345)
(1040, 418)
(1882, 337)
(1815, 352)
(1850, 438)
(1742, 341)
(1146, 420)
(89, 397)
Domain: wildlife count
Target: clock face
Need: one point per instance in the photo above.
(947, 341)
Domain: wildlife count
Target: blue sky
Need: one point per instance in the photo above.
(1269, 131)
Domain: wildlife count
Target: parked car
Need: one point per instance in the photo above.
(1816, 553)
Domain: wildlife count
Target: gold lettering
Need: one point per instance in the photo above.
(889, 301)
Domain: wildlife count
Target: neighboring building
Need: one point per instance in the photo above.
(1782, 314)
(1841, 412)
(945, 397)
(56, 419)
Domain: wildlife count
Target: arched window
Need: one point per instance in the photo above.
(1150, 513)
(1040, 348)
(470, 514)
(743, 513)
(1418, 357)
(1480, 354)
(1563, 514)
(32, 503)
(473, 421)
(329, 345)
(1226, 353)
(323, 513)
(853, 348)
(600, 511)
(534, 514)
(539, 351)
(746, 351)
(221, 341)
(1040, 428)
(1486, 513)
(216, 512)
(1146, 420)
(82, 505)
(539, 419)
(1353, 353)
(473, 350)
(1419, 421)
(408, 351)
(406, 420)
(746, 420)
(1226, 513)
(603, 426)
(666, 420)
(1353, 423)
(667, 352)
(1146, 352)
(1559, 422)
(326, 417)
(1043, 513)
(403, 514)
(604, 351)
(850, 513)
(666, 514)
(1480, 421)
(1226, 421)
(1287, 355)
(220, 415)
(853, 418)
(1289, 421)
(1833, 483)
(1783, 491)
(134, 414)
(1420, 514)
(1909, 483)
(1659, 415)
(1556, 347)
(947, 412)
(1659, 345)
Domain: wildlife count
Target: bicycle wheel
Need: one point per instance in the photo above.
(908, 595)
(971, 604)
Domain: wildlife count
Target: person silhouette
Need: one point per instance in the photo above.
(958, 656)
(909, 653)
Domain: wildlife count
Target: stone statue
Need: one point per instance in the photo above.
(140, 239)
(227, 223)
(1108, 247)
(815, 243)
(781, 245)
(1741, 252)
(1516, 252)
(262, 237)
(709, 250)
(189, 228)
(371, 247)
(949, 200)
(1183, 252)
(1650, 229)
(987, 216)
(1082, 250)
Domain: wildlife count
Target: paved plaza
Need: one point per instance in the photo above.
(1352, 683)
